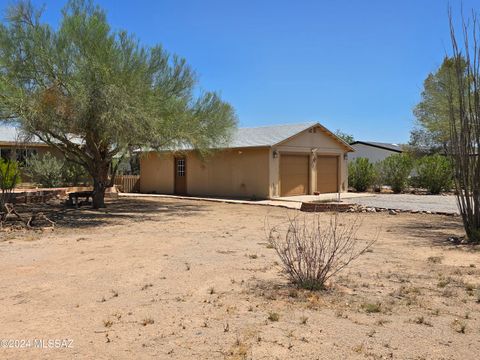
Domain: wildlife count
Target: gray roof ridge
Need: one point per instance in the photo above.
(278, 125)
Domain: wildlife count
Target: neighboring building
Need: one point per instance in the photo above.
(13, 146)
(262, 162)
(373, 151)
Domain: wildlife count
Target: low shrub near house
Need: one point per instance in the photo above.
(396, 171)
(74, 174)
(378, 180)
(9, 178)
(434, 173)
(45, 170)
(361, 174)
(311, 252)
(50, 171)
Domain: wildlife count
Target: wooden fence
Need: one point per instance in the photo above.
(128, 183)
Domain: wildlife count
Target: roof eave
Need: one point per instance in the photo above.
(376, 146)
(326, 131)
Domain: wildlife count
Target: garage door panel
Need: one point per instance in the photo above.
(327, 174)
(294, 170)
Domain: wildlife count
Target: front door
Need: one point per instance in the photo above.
(180, 176)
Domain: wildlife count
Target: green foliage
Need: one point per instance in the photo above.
(435, 173)
(9, 178)
(379, 178)
(9, 174)
(433, 111)
(74, 174)
(361, 174)
(348, 138)
(93, 92)
(45, 170)
(50, 171)
(396, 170)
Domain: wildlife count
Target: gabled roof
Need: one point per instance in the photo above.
(263, 136)
(266, 135)
(276, 134)
(386, 146)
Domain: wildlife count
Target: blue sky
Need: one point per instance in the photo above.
(352, 65)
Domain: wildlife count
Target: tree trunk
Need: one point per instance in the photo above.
(100, 183)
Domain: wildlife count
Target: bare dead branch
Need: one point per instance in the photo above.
(312, 252)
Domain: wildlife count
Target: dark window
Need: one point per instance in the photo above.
(23, 154)
(6, 153)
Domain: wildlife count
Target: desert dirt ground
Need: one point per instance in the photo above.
(180, 279)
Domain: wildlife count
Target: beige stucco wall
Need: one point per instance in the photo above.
(156, 173)
(314, 143)
(233, 172)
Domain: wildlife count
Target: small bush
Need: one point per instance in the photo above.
(273, 316)
(311, 252)
(361, 174)
(45, 170)
(396, 171)
(378, 180)
(73, 174)
(50, 171)
(434, 173)
(371, 308)
(9, 178)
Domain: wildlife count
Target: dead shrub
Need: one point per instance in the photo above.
(312, 252)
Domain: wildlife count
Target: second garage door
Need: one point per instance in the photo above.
(327, 174)
(294, 171)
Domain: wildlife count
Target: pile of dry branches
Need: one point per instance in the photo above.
(11, 219)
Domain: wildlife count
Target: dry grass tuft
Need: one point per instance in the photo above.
(147, 321)
(435, 259)
(459, 326)
(273, 316)
(146, 286)
(371, 308)
(422, 321)
(444, 281)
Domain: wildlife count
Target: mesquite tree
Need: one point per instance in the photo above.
(465, 123)
(93, 93)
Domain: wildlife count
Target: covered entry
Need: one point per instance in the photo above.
(327, 174)
(294, 170)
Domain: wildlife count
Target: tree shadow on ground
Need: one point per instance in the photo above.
(117, 212)
(436, 233)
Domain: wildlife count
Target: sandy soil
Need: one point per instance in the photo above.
(174, 279)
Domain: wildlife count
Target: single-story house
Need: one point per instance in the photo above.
(14, 146)
(261, 162)
(373, 151)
